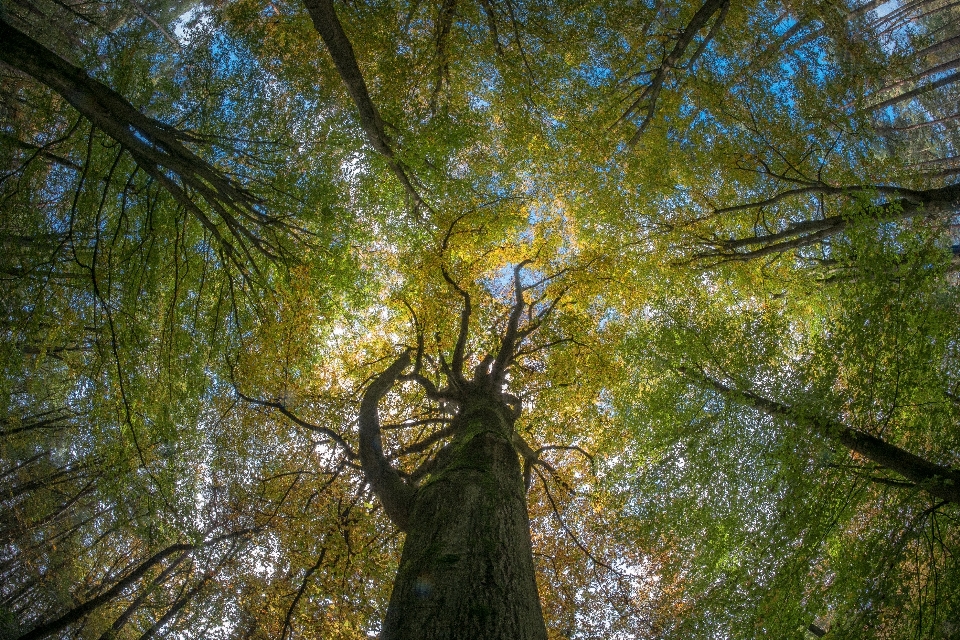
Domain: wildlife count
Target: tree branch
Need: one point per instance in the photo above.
(932, 202)
(331, 31)
(77, 612)
(651, 92)
(330, 433)
(156, 147)
(460, 348)
(569, 532)
(427, 442)
(393, 492)
(509, 340)
(287, 626)
(937, 480)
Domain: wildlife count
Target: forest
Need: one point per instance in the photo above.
(479, 319)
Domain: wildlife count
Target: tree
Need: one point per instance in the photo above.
(490, 319)
(467, 566)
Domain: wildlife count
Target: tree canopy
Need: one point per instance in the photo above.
(257, 253)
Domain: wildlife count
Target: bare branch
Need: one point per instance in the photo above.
(156, 147)
(492, 24)
(444, 25)
(287, 627)
(77, 612)
(820, 188)
(913, 93)
(414, 423)
(543, 347)
(553, 447)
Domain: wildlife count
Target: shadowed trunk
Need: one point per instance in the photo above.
(467, 566)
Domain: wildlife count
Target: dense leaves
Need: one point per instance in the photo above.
(735, 231)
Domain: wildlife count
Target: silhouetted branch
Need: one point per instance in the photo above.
(939, 481)
(460, 348)
(84, 608)
(287, 627)
(569, 532)
(651, 92)
(157, 148)
(932, 203)
(422, 445)
(330, 433)
(509, 339)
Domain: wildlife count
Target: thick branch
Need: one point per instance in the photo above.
(937, 480)
(932, 202)
(132, 608)
(949, 65)
(818, 188)
(156, 147)
(443, 28)
(394, 494)
(919, 125)
(429, 388)
(429, 441)
(461, 346)
(328, 25)
(79, 611)
(913, 93)
(509, 341)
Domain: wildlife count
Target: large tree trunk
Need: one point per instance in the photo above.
(467, 565)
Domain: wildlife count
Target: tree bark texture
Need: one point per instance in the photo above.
(467, 566)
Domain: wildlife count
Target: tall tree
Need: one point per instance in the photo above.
(467, 565)
(478, 319)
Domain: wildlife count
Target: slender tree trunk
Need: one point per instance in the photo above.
(467, 565)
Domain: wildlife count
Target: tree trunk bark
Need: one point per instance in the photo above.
(467, 566)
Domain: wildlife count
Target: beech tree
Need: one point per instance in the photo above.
(489, 319)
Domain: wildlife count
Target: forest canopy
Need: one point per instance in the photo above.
(285, 285)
